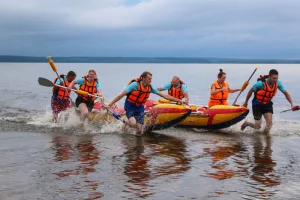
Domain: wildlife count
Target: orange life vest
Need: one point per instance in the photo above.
(89, 87)
(61, 93)
(265, 95)
(139, 96)
(221, 97)
(176, 92)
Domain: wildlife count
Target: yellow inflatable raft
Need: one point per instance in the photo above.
(157, 116)
(216, 117)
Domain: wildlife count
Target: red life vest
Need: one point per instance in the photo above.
(265, 95)
(176, 92)
(139, 96)
(89, 87)
(61, 93)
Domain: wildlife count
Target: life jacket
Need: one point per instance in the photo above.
(59, 92)
(89, 87)
(221, 97)
(139, 96)
(176, 92)
(265, 95)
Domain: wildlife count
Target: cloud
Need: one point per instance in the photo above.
(152, 27)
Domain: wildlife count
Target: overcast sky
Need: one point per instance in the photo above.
(176, 28)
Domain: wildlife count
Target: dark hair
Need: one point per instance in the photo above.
(145, 74)
(220, 74)
(71, 73)
(273, 72)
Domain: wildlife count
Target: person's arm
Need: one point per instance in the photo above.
(166, 96)
(72, 83)
(79, 81)
(214, 91)
(248, 97)
(285, 92)
(165, 87)
(187, 98)
(185, 92)
(99, 89)
(233, 90)
(117, 98)
(129, 88)
(289, 98)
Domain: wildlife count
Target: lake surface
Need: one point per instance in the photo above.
(76, 160)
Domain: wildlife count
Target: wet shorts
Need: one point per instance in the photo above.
(89, 103)
(58, 107)
(260, 109)
(134, 111)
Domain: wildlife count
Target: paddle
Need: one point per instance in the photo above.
(244, 86)
(48, 83)
(52, 64)
(116, 115)
(293, 109)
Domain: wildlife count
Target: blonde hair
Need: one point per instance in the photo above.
(94, 71)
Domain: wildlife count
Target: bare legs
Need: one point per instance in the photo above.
(257, 125)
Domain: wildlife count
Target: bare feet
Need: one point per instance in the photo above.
(244, 125)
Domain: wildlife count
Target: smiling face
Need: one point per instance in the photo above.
(273, 79)
(92, 74)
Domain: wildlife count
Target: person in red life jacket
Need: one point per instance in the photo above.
(138, 91)
(60, 100)
(264, 90)
(90, 84)
(176, 88)
(220, 90)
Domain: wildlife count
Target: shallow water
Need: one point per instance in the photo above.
(76, 160)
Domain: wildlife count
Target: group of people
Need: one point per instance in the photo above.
(139, 89)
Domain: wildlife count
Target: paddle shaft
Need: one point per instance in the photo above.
(245, 88)
(116, 115)
(285, 110)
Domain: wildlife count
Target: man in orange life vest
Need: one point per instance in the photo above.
(264, 90)
(90, 84)
(219, 91)
(60, 100)
(176, 88)
(138, 91)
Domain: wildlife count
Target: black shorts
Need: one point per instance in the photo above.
(89, 103)
(259, 110)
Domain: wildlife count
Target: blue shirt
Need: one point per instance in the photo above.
(260, 86)
(134, 86)
(169, 86)
(58, 81)
(80, 81)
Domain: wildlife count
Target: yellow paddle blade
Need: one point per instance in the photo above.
(83, 93)
(245, 85)
(51, 63)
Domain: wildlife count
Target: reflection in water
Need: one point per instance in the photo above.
(222, 168)
(87, 156)
(63, 148)
(235, 160)
(148, 158)
(263, 170)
